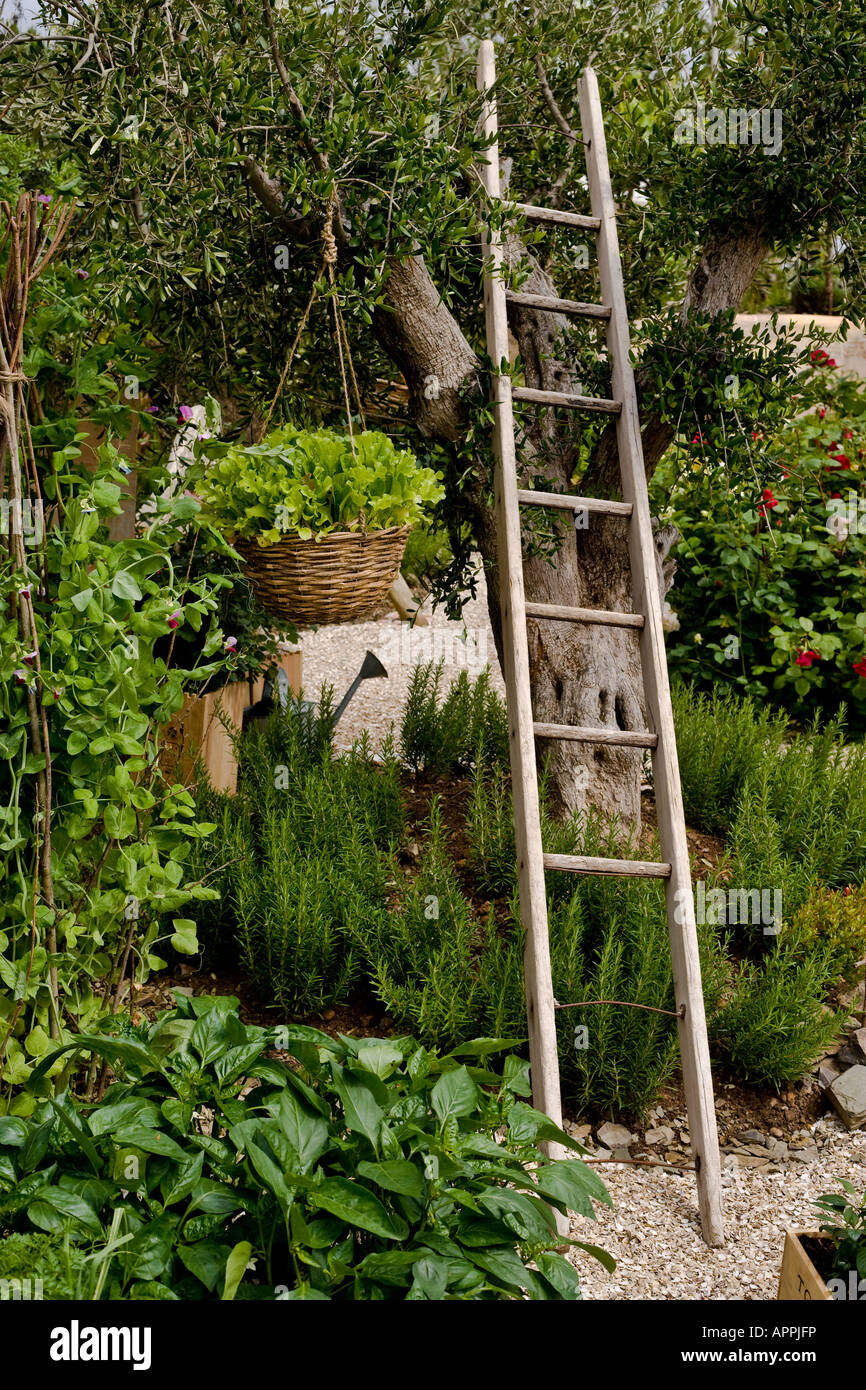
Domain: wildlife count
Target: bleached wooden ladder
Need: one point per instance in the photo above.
(646, 620)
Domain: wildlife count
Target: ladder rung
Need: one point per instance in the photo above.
(615, 738)
(573, 504)
(562, 219)
(584, 615)
(615, 868)
(558, 306)
(565, 398)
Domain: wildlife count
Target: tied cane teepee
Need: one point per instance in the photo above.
(31, 235)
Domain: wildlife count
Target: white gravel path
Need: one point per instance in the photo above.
(334, 655)
(653, 1230)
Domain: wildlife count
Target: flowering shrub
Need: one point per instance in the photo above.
(837, 917)
(311, 482)
(771, 582)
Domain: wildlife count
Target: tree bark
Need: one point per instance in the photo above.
(423, 339)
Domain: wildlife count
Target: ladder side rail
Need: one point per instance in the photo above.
(540, 1004)
(694, 1046)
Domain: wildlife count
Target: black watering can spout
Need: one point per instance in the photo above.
(372, 669)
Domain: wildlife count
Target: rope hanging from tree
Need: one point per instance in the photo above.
(344, 353)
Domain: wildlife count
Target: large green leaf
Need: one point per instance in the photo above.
(233, 1063)
(573, 1183)
(362, 1110)
(150, 1140)
(206, 1260)
(530, 1219)
(124, 1050)
(269, 1170)
(430, 1277)
(379, 1057)
(54, 1206)
(391, 1266)
(561, 1275)
(604, 1257)
(184, 1180)
(125, 585)
(305, 1129)
(505, 1269)
(107, 1116)
(148, 1255)
(526, 1125)
(358, 1206)
(395, 1175)
(455, 1094)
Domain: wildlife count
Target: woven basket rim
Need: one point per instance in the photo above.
(325, 536)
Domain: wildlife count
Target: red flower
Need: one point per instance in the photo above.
(842, 460)
(767, 500)
(806, 658)
(860, 667)
(821, 413)
(821, 359)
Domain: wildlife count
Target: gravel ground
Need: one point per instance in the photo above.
(653, 1229)
(334, 654)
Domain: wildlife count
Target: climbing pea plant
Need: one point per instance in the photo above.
(119, 830)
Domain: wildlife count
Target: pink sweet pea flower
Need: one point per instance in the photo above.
(184, 413)
(231, 644)
(175, 618)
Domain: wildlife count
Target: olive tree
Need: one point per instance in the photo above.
(207, 138)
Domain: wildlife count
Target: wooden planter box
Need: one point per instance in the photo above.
(122, 527)
(198, 729)
(799, 1280)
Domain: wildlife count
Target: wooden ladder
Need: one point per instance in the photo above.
(646, 620)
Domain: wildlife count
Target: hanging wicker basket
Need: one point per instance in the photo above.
(337, 579)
